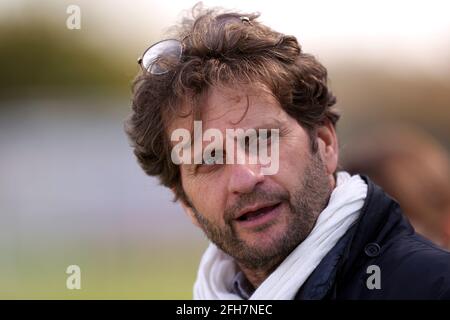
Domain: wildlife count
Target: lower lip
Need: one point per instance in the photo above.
(261, 219)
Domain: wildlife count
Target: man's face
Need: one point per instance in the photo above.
(257, 219)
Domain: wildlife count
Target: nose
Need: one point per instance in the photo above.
(244, 177)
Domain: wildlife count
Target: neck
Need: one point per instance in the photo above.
(257, 276)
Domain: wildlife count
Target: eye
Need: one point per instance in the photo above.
(213, 158)
(209, 161)
(265, 136)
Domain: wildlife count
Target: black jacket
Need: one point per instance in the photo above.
(410, 267)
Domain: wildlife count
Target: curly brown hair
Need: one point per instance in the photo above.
(221, 48)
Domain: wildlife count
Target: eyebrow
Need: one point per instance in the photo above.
(270, 125)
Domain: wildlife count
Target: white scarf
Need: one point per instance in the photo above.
(217, 269)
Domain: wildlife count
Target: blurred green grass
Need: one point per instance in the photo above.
(106, 273)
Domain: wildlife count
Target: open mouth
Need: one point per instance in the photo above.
(259, 213)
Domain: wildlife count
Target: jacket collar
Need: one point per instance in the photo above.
(379, 215)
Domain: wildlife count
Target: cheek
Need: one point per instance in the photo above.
(294, 157)
(207, 195)
(291, 168)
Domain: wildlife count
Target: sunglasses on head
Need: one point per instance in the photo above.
(162, 55)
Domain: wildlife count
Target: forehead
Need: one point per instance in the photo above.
(234, 107)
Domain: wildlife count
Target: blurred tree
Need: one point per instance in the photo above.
(39, 58)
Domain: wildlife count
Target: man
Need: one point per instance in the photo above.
(304, 231)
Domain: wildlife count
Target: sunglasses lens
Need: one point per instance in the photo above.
(159, 57)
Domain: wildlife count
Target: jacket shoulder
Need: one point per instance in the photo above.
(417, 266)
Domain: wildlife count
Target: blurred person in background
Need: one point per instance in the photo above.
(305, 232)
(412, 167)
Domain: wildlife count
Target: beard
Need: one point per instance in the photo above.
(305, 204)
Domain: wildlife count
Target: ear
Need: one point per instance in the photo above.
(187, 208)
(328, 145)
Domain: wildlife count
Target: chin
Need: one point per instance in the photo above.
(267, 238)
